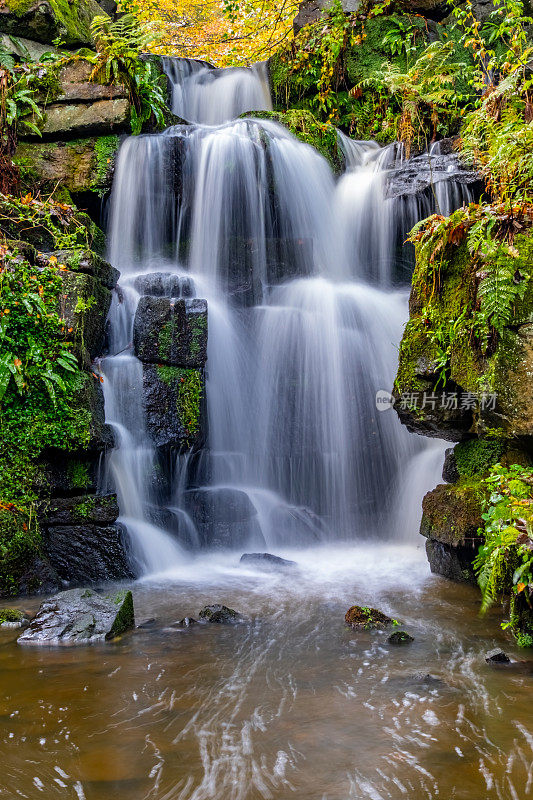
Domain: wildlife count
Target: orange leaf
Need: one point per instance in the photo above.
(520, 587)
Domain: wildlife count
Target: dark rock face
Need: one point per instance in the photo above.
(451, 561)
(450, 473)
(87, 553)
(168, 331)
(80, 616)
(224, 517)
(220, 614)
(173, 402)
(450, 521)
(267, 562)
(96, 509)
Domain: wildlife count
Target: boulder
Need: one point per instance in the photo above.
(80, 616)
(83, 119)
(173, 404)
(79, 165)
(220, 614)
(12, 618)
(87, 553)
(170, 331)
(267, 562)
(75, 85)
(451, 519)
(365, 618)
(46, 20)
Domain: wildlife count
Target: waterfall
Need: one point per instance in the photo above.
(306, 282)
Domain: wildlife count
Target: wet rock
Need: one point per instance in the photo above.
(420, 174)
(451, 561)
(44, 21)
(80, 616)
(80, 165)
(164, 284)
(147, 623)
(220, 614)
(87, 553)
(169, 331)
(267, 562)
(88, 508)
(400, 637)
(21, 47)
(365, 618)
(188, 622)
(224, 517)
(173, 399)
(450, 473)
(497, 656)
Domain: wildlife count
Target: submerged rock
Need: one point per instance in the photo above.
(365, 618)
(219, 613)
(188, 622)
(80, 616)
(400, 637)
(267, 562)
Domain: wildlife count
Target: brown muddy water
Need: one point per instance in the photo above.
(290, 704)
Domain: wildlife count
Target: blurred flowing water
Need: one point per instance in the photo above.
(307, 282)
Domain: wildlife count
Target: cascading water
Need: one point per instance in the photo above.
(306, 307)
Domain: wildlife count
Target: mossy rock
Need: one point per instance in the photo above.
(302, 124)
(46, 20)
(79, 165)
(174, 406)
(365, 618)
(452, 513)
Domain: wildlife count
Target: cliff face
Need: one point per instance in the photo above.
(56, 528)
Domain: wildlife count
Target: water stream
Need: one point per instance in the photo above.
(306, 279)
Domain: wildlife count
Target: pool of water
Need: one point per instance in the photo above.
(290, 704)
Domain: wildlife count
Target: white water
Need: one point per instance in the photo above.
(305, 316)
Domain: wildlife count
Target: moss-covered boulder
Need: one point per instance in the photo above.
(79, 165)
(448, 385)
(173, 332)
(87, 262)
(46, 20)
(365, 618)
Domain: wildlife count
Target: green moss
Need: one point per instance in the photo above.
(188, 386)
(78, 474)
(167, 337)
(125, 619)
(10, 615)
(475, 457)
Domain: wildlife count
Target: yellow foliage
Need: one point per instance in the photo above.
(223, 32)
